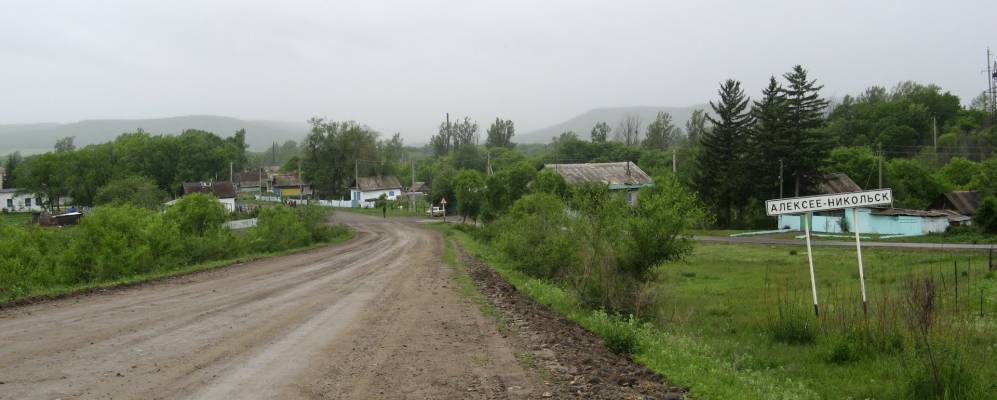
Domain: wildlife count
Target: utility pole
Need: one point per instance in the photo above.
(991, 77)
(356, 175)
(674, 162)
(880, 148)
(934, 131)
(301, 182)
(781, 178)
(412, 199)
(231, 172)
(488, 163)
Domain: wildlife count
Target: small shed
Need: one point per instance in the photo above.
(224, 191)
(250, 181)
(370, 188)
(625, 177)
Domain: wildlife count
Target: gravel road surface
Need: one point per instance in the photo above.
(375, 317)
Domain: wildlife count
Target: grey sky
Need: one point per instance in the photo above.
(399, 66)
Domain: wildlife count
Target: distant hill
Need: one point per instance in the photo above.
(35, 138)
(582, 124)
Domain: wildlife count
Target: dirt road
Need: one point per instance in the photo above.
(376, 317)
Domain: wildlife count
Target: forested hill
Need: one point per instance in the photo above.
(35, 138)
(583, 123)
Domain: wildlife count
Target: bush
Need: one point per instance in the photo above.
(535, 234)
(197, 214)
(986, 215)
(25, 261)
(621, 335)
(137, 191)
(118, 241)
(793, 324)
(279, 228)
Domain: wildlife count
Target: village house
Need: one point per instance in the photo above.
(224, 191)
(878, 220)
(624, 177)
(250, 181)
(289, 186)
(368, 189)
(960, 206)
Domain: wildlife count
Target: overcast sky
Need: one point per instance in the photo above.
(399, 66)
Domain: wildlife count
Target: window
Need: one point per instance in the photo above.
(10, 203)
(391, 193)
(38, 201)
(27, 202)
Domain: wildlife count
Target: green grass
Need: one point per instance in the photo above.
(960, 237)
(712, 331)
(15, 218)
(392, 212)
(62, 290)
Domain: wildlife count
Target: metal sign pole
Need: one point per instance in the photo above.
(810, 258)
(858, 249)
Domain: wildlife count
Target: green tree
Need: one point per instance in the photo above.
(914, 186)
(65, 144)
(547, 181)
(469, 188)
(197, 214)
(986, 215)
(10, 166)
(985, 180)
(600, 132)
(695, 127)
(722, 177)
(503, 188)
(804, 115)
(336, 151)
(768, 139)
(500, 134)
(138, 191)
(960, 172)
(659, 224)
(661, 133)
(859, 163)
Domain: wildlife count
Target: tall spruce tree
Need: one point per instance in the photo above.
(723, 174)
(806, 145)
(768, 139)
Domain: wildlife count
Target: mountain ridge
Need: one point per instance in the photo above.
(582, 123)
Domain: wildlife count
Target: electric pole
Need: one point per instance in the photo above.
(934, 131)
(674, 162)
(781, 178)
(880, 147)
(410, 197)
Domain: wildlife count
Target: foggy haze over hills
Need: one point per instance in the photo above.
(400, 67)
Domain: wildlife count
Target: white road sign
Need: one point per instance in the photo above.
(800, 205)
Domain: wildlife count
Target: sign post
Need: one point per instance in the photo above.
(858, 250)
(809, 204)
(443, 202)
(810, 258)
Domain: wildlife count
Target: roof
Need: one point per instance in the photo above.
(837, 183)
(422, 187)
(377, 183)
(221, 190)
(955, 216)
(907, 212)
(964, 201)
(615, 174)
(249, 177)
(286, 180)
(8, 190)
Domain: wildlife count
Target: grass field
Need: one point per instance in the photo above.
(15, 218)
(961, 237)
(712, 326)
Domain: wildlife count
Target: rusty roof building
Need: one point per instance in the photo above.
(837, 183)
(617, 175)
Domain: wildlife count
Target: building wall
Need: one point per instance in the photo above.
(228, 203)
(869, 223)
(19, 202)
(361, 196)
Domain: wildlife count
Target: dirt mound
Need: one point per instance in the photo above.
(575, 360)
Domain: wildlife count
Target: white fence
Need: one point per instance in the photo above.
(324, 203)
(240, 224)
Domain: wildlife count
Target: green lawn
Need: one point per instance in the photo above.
(711, 328)
(960, 237)
(15, 218)
(392, 212)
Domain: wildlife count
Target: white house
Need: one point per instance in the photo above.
(368, 189)
(12, 201)
(224, 191)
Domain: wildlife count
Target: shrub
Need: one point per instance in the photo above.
(986, 215)
(137, 191)
(25, 261)
(197, 214)
(793, 324)
(535, 234)
(279, 228)
(621, 335)
(118, 241)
